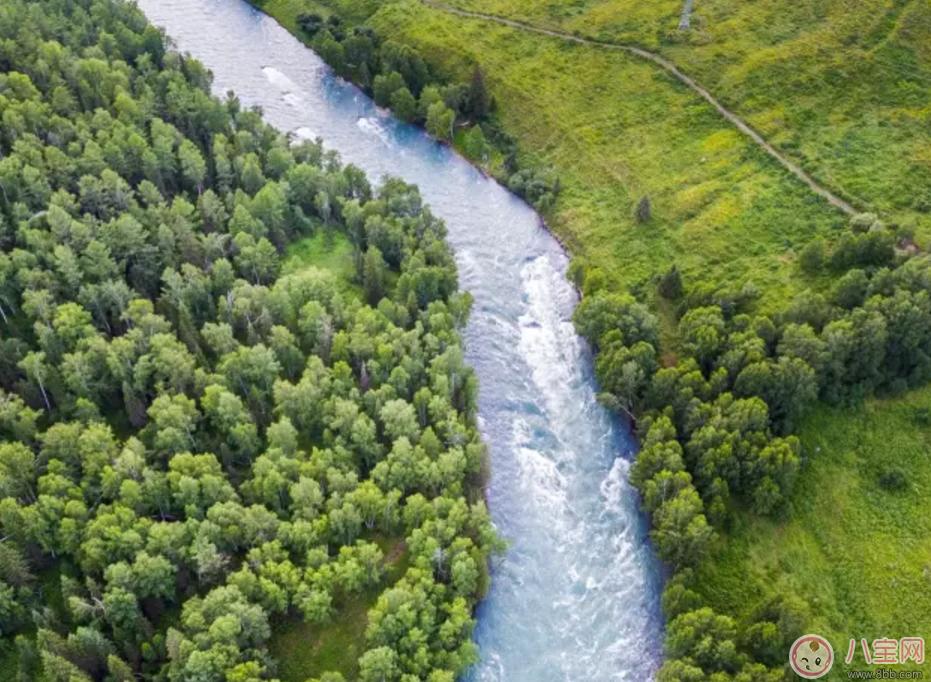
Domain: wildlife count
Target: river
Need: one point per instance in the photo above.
(576, 595)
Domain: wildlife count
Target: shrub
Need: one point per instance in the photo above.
(538, 186)
(850, 290)
(404, 104)
(874, 249)
(310, 23)
(811, 259)
(704, 637)
(893, 478)
(863, 222)
(475, 145)
(644, 211)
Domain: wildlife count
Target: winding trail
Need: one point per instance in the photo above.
(673, 70)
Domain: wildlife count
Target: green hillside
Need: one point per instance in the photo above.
(841, 86)
(855, 547)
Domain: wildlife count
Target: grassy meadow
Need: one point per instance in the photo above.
(617, 129)
(841, 86)
(855, 547)
(331, 252)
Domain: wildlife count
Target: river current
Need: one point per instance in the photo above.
(575, 597)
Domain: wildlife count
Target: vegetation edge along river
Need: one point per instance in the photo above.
(737, 373)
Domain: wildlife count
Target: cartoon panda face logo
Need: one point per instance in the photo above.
(811, 657)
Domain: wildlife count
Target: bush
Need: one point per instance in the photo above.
(478, 102)
(404, 105)
(385, 85)
(681, 533)
(850, 290)
(863, 222)
(706, 638)
(475, 145)
(871, 249)
(811, 259)
(893, 478)
(537, 186)
(310, 23)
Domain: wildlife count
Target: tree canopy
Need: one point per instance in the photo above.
(192, 444)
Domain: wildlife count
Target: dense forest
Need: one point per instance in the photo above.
(194, 445)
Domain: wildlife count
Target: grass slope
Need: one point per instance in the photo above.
(840, 85)
(856, 553)
(617, 129)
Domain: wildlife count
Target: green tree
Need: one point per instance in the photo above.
(403, 104)
(216, 436)
(440, 120)
(703, 333)
(374, 274)
(475, 145)
(379, 665)
(251, 175)
(705, 638)
(680, 530)
(670, 284)
(811, 258)
(850, 290)
(478, 100)
(788, 386)
(193, 166)
(386, 85)
(35, 368)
